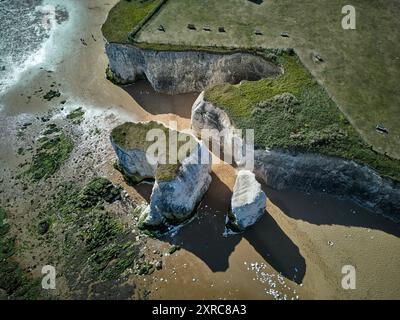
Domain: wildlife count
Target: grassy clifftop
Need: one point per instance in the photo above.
(361, 67)
(125, 16)
(293, 111)
(131, 136)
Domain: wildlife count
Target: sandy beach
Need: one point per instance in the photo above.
(296, 251)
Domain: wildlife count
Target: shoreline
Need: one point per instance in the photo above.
(296, 232)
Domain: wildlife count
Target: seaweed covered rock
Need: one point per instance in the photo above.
(180, 182)
(51, 154)
(247, 203)
(97, 190)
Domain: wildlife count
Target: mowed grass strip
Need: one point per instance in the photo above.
(123, 18)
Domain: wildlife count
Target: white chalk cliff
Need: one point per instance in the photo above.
(174, 201)
(185, 71)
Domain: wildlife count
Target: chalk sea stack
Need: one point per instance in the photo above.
(178, 187)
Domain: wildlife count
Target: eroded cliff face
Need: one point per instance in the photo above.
(133, 163)
(206, 116)
(176, 72)
(174, 201)
(343, 178)
(310, 172)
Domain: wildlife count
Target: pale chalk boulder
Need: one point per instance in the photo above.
(248, 202)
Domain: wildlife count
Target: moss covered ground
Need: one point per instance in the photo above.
(76, 116)
(293, 111)
(16, 282)
(50, 155)
(95, 244)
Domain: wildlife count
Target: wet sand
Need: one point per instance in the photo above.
(78, 68)
(297, 249)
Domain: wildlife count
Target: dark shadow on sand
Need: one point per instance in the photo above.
(328, 210)
(161, 103)
(204, 237)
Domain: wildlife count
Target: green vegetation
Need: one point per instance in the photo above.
(146, 269)
(184, 47)
(173, 249)
(361, 76)
(13, 280)
(90, 230)
(111, 77)
(125, 17)
(4, 227)
(294, 112)
(96, 245)
(133, 135)
(49, 157)
(43, 227)
(167, 172)
(76, 116)
(50, 129)
(97, 190)
(130, 136)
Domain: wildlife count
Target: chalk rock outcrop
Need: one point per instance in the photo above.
(308, 172)
(176, 199)
(248, 202)
(185, 71)
(213, 124)
(178, 187)
(207, 116)
(134, 164)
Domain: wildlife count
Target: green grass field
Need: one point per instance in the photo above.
(124, 17)
(361, 68)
